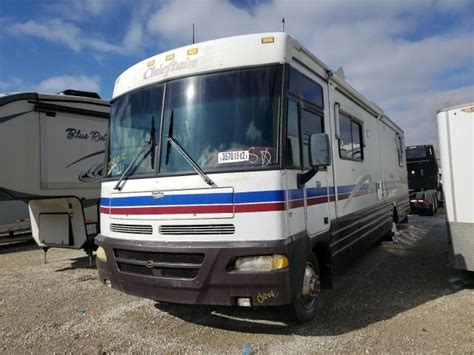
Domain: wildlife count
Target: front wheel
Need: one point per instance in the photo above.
(305, 305)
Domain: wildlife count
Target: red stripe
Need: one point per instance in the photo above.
(317, 200)
(258, 207)
(296, 203)
(343, 196)
(173, 210)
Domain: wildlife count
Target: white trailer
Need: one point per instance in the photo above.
(242, 171)
(456, 143)
(53, 145)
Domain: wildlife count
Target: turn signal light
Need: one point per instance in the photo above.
(100, 254)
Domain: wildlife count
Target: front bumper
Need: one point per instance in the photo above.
(195, 273)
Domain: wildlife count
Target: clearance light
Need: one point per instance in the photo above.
(100, 254)
(260, 263)
(192, 51)
(169, 57)
(267, 40)
(150, 63)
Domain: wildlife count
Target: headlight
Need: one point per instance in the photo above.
(100, 254)
(260, 263)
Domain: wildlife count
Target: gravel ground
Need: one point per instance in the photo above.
(399, 297)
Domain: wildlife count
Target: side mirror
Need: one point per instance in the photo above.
(319, 151)
(319, 156)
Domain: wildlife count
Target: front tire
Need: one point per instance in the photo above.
(305, 306)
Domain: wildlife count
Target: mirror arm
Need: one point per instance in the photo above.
(302, 179)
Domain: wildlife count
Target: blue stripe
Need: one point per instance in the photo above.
(345, 189)
(296, 194)
(222, 198)
(316, 192)
(260, 196)
(196, 199)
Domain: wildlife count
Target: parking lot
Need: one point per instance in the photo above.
(400, 296)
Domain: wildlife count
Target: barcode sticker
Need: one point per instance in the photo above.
(233, 157)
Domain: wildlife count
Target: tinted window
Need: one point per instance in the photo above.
(417, 152)
(304, 87)
(218, 117)
(293, 141)
(131, 121)
(310, 123)
(350, 141)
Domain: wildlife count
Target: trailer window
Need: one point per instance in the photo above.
(350, 142)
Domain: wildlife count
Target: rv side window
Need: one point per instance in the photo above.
(400, 150)
(293, 137)
(350, 141)
(310, 123)
(305, 88)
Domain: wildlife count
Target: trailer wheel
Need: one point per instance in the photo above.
(431, 210)
(305, 306)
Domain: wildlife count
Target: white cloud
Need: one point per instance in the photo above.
(70, 35)
(62, 82)
(55, 30)
(373, 40)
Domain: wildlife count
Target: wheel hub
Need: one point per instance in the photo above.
(311, 286)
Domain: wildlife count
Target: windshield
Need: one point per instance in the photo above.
(226, 120)
(223, 120)
(132, 117)
(415, 152)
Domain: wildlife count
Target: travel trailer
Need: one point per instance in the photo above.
(456, 136)
(53, 145)
(242, 171)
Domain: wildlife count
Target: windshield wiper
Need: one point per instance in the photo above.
(148, 146)
(172, 142)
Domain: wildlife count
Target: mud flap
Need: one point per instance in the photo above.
(58, 222)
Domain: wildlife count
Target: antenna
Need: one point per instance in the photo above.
(193, 33)
(283, 24)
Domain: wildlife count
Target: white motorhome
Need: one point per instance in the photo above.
(456, 144)
(241, 171)
(52, 145)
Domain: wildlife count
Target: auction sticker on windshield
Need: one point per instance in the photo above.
(233, 157)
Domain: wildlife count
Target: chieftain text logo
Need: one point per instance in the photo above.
(164, 70)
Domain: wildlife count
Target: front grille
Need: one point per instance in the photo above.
(131, 228)
(197, 229)
(159, 264)
(169, 258)
(158, 271)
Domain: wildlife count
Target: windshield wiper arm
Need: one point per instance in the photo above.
(191, 162)
(172, 142)
(145, 149)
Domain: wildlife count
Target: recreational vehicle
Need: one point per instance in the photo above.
(53, 145)
(456, 136)
(242, 171)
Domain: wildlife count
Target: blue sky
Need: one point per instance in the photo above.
(410, 57)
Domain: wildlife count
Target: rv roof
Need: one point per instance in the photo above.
(233, 52)
(11, 97)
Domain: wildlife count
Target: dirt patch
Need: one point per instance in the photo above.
(399, 297)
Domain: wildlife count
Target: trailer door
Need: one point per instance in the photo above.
(316, 190)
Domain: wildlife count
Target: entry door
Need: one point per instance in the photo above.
(316, 190)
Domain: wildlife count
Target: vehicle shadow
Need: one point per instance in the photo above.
(21, 246)
(390, 279)
(82, 262)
